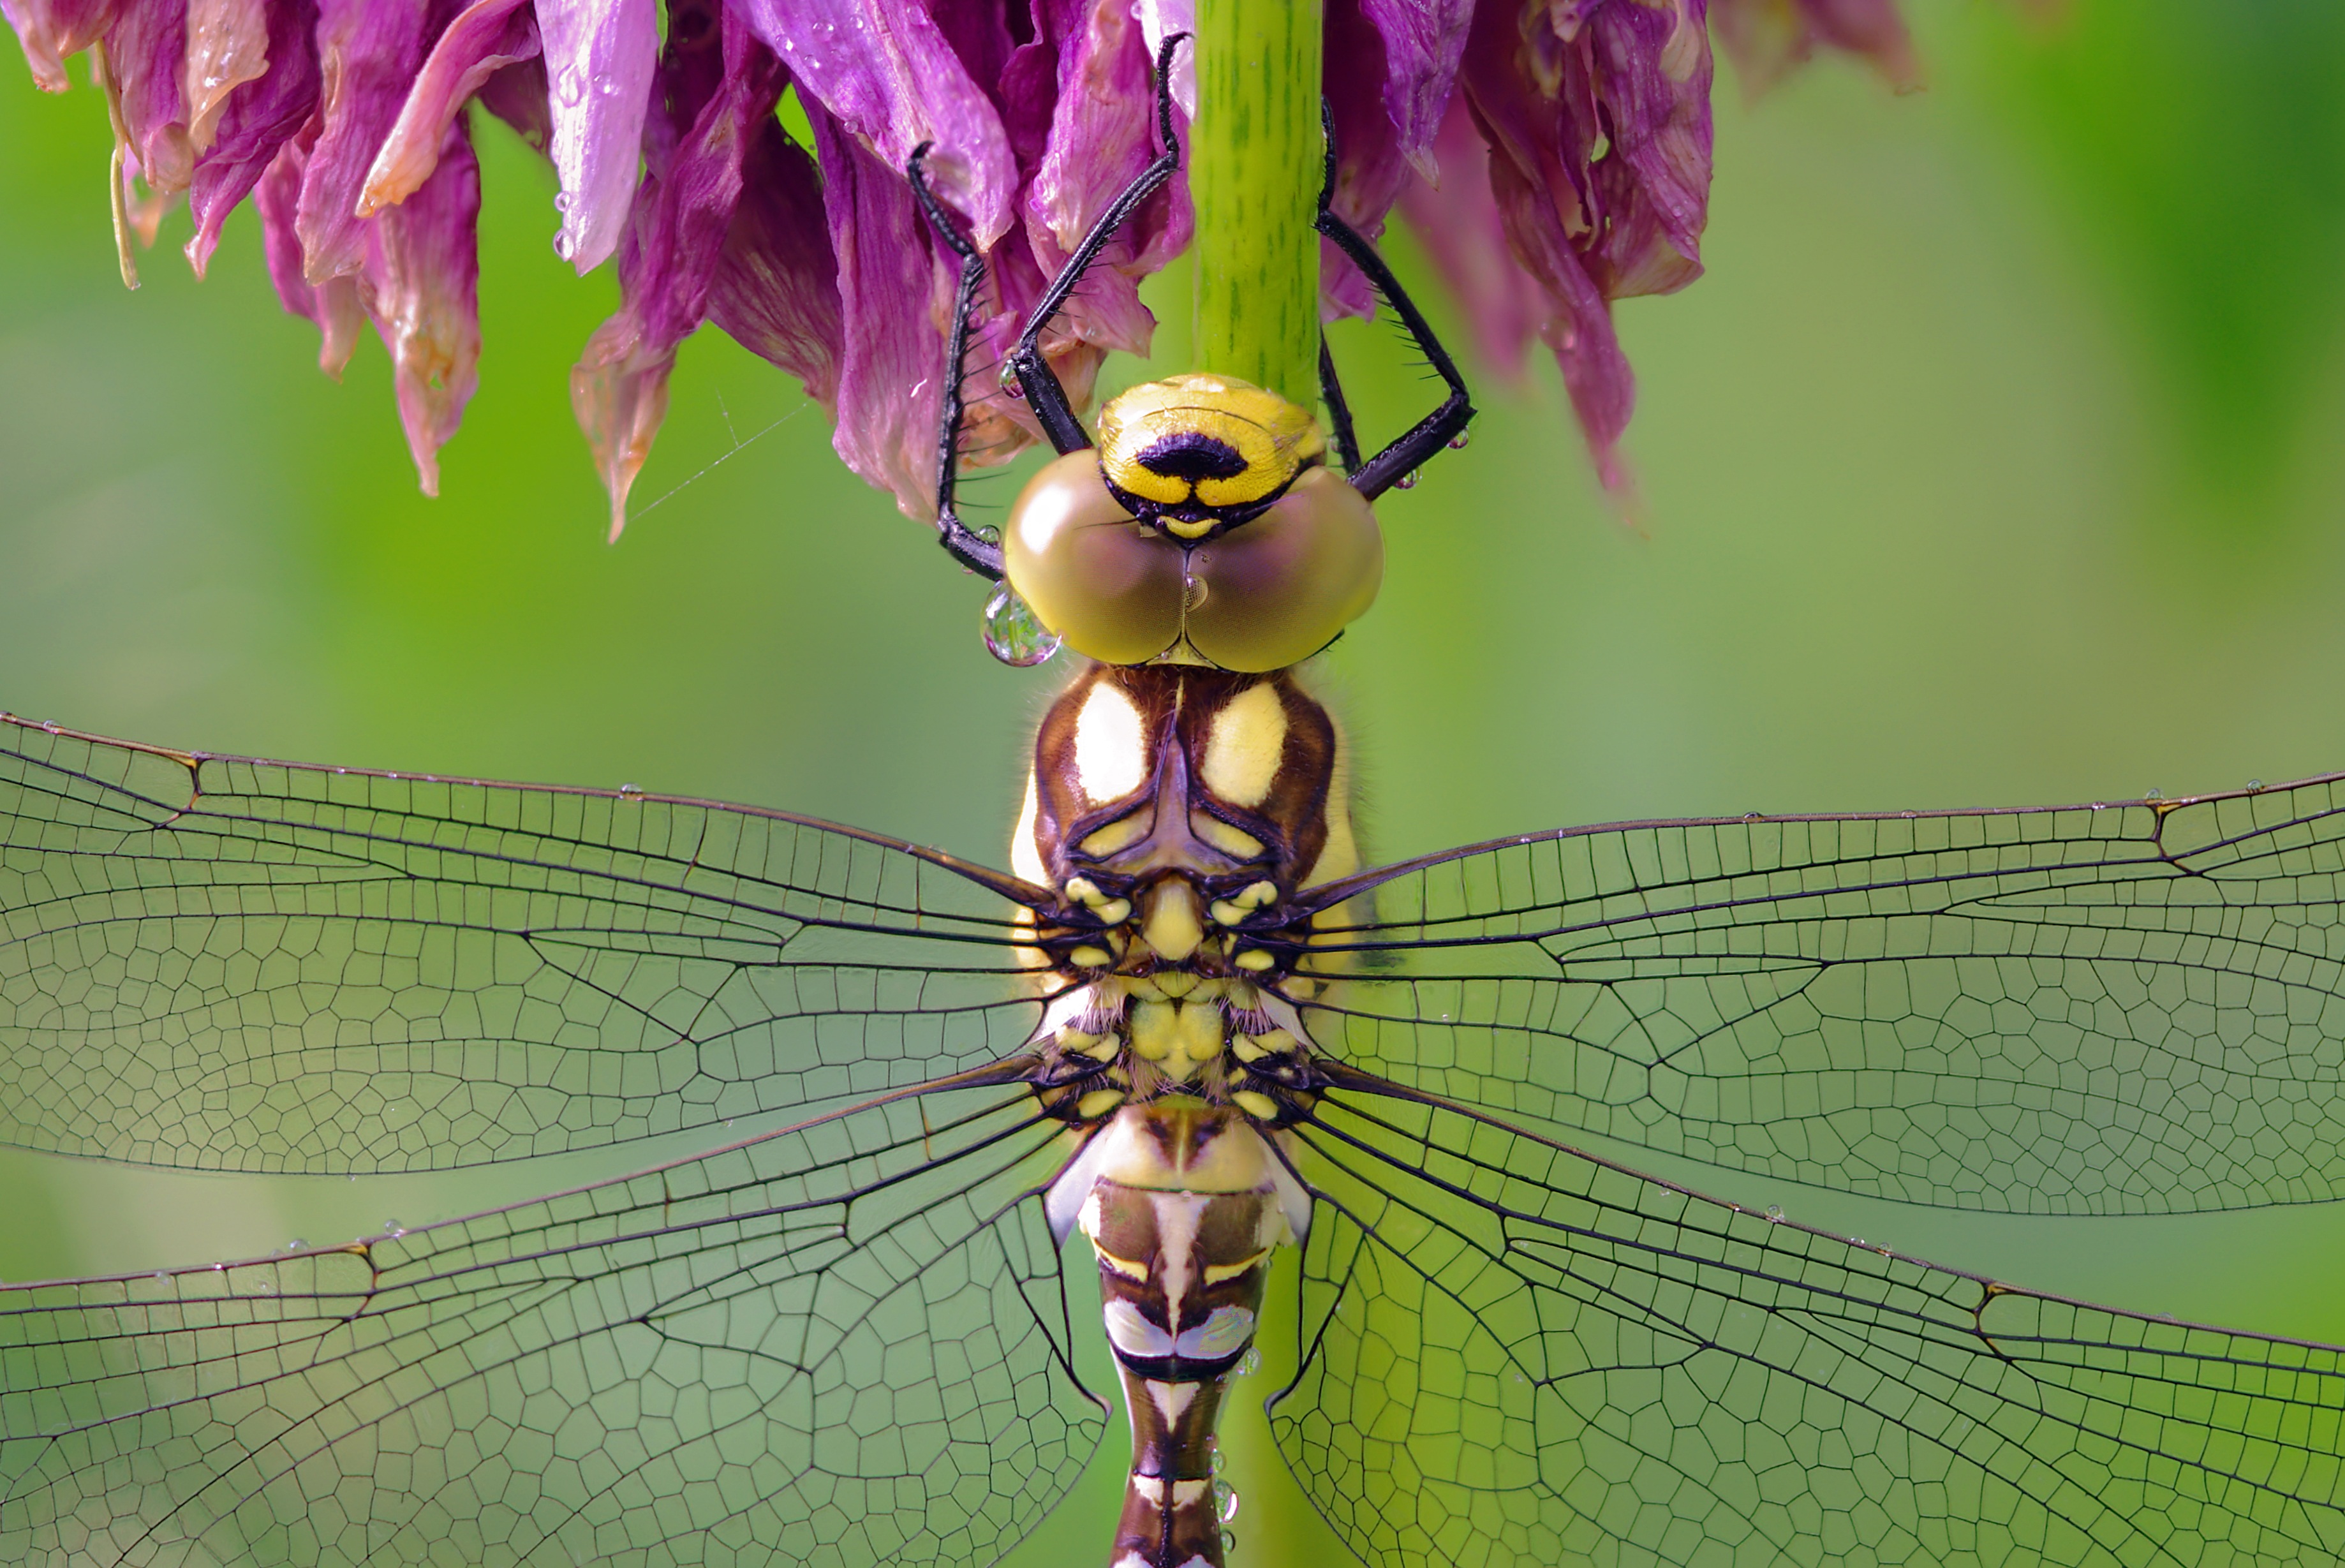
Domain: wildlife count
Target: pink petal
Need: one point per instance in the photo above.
(599, 57)
(1594, 372)
(255, 119)
(420, 287)
(1653, 69)
(52, 31)
(1101, 134)
(676, 233)
(228, 45)
(1463, 235)
(518, 96)
(1424, 40)
(368, 52)
(1370, 167)
(888, 388)
(333, 305)
(485, 37)
(886, 72)
(776, 290)
(145, 59)
(1767, 38)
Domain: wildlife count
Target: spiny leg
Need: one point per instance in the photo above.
(1436, 430)
(1036, 378)
(966, 545)
(1339, 412)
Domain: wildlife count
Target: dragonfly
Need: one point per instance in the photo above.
(1186, 1035)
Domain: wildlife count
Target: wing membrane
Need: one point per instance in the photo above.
(1515, 1355)
(845, 1344)
(231, 964)
(2128, 1009)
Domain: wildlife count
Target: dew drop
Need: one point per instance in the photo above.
(563, 245)
(392, 1228)
(296, 1245)
(633, 792)
(1229, 1541)
(1251, 1362)
(2255, 783)
(1012, 635)
(1405, 481)
(1225, 1501)
(1219, 1460)
(607, 87)
(571, 88)
(1775, 1214)
(561, 201)
(2153, 794)
(1457, 443)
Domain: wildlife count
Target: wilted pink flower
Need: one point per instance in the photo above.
(1554, 154)
(1766, 39)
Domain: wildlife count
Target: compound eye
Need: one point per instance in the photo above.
(1108, 584)
(1272, 592)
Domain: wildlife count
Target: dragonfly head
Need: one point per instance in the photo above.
(1205, 528)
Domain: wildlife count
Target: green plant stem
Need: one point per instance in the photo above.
(1255, 166)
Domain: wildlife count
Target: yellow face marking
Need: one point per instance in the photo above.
(1235, 842)
(1213, 440)
(1247, 743)
(1110, 760)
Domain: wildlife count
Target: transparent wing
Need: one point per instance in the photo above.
(846, 1344)
(216, 962)
(1515, 1355)
(2082, 1010)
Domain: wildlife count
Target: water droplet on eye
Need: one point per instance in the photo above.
(1225, 1501)
(1405, 481)
(1251, 1362)
(1012, 635)
(1775, 1214)
(1457, 443)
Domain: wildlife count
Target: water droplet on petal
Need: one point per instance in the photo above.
(1012, 635)
(564, 245)
(570, 86)
(607, 87)
(561, 201)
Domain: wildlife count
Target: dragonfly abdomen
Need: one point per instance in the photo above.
(1183, 1204)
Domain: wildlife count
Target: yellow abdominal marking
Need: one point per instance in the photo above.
(1211, 440)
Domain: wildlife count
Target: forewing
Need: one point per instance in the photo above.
(843, 1345)
(239, 965)
(1515, 1355)
(2088, 1010)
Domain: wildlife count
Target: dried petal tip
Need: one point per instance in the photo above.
(420, 287)
(1766, 39)
(619, 393)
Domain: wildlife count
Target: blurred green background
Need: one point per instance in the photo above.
(1995, 463)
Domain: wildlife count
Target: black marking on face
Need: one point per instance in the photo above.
(1191, 456)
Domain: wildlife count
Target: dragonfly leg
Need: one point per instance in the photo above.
(1436, 430)
(971, 549)
(1035, 377)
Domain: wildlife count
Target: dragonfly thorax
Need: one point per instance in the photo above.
(1177, 811)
